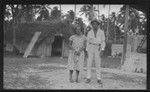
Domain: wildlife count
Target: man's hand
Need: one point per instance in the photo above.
(101, 52)
(91, 40)
(99, 47)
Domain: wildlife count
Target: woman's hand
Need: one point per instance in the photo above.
(70, 45)
(76, 60)
(77, 53)
(72, 48)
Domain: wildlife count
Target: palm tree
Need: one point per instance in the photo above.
(17, 12)
(44, 13)
(113, 20)
(7, 12)
(134, 18)
(98, 11)
(60, 6)
(75, 9)
(125, 38)
(71, 16)
(107, 33)
(104, 23)
(55, 13)
(89, 11)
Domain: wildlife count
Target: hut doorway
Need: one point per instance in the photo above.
(57, 46)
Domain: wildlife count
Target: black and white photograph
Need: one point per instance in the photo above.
(75, 46)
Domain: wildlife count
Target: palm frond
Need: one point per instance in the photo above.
(48, 7)
(81, 14)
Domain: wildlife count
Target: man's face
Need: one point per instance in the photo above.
(95, 25)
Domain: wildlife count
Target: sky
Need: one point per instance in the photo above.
(103, 10)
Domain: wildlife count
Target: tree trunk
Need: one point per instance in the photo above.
(14, 26)
(14, 31)
(63, 48)
(33, 12)
(108, 25)
(125, 37)
(115, 31)
(60, 7)
(98, 12)
(14, 36)
(15, 49)
(75, 10)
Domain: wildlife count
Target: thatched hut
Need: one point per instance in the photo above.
(53, 40)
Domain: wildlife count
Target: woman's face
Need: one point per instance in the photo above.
(95, 25)
(78, 30)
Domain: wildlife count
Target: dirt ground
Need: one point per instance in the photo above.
(38, 73)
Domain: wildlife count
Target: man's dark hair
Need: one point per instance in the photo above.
(95, 21)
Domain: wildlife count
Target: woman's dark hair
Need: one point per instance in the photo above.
(79, 23)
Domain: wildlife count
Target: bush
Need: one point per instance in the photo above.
(25, 31)
(107, 51)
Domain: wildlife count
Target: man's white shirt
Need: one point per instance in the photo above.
(99, 39)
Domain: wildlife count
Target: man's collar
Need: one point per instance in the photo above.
(97, 29)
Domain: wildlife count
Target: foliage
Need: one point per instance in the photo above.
(47, 29)
(116, 23)
(26, 30)
(17, 11)
(55, 13)
(135, 19)
(8, 31)
(28, 12)
(43, 14)
(7, 12)
(88, 10)
(104, 23)
(114, 30)
(69, 17)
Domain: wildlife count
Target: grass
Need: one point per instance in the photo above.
(48, 68)
(106, 62)
(18, 82)
(14, 67)
(16, 78)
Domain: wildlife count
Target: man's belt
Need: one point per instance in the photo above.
(95, 44)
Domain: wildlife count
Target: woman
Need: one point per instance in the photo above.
(76, 53)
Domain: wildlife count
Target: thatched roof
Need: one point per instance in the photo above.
(27, 30)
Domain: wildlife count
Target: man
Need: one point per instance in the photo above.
(95, 48)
